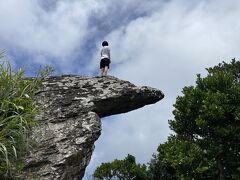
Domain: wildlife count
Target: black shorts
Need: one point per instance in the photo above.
(104, 62)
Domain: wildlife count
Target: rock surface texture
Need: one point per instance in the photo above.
(70, 121)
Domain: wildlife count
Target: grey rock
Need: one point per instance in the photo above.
(70, 121)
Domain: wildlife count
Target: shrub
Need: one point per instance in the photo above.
(17, 111)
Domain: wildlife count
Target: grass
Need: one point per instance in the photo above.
(17, 111)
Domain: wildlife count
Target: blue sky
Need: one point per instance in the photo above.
(159, 43)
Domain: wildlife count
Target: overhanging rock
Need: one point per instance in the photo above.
(70, 121)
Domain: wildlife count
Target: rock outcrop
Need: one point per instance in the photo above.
(70, 121)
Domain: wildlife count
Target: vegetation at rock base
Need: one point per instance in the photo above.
(122, 169)
(206, 143)
(17, 111)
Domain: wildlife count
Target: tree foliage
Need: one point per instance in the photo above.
(207, 126)
(126, 169)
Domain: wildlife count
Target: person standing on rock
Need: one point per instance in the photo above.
(105, 58)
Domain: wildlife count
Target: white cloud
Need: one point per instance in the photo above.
(58, 30)
(138, 132)
(27, 26)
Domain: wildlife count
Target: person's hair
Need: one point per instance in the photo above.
(104, 43)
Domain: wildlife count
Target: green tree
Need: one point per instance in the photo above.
(159, 167)
(207, 126)
(180, 159)
(126, 169)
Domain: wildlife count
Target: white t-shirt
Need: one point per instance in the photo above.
(105, 52)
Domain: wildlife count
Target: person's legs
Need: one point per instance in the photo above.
(106, 68)
(102, 71)
(102, 65)
(105, 71)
